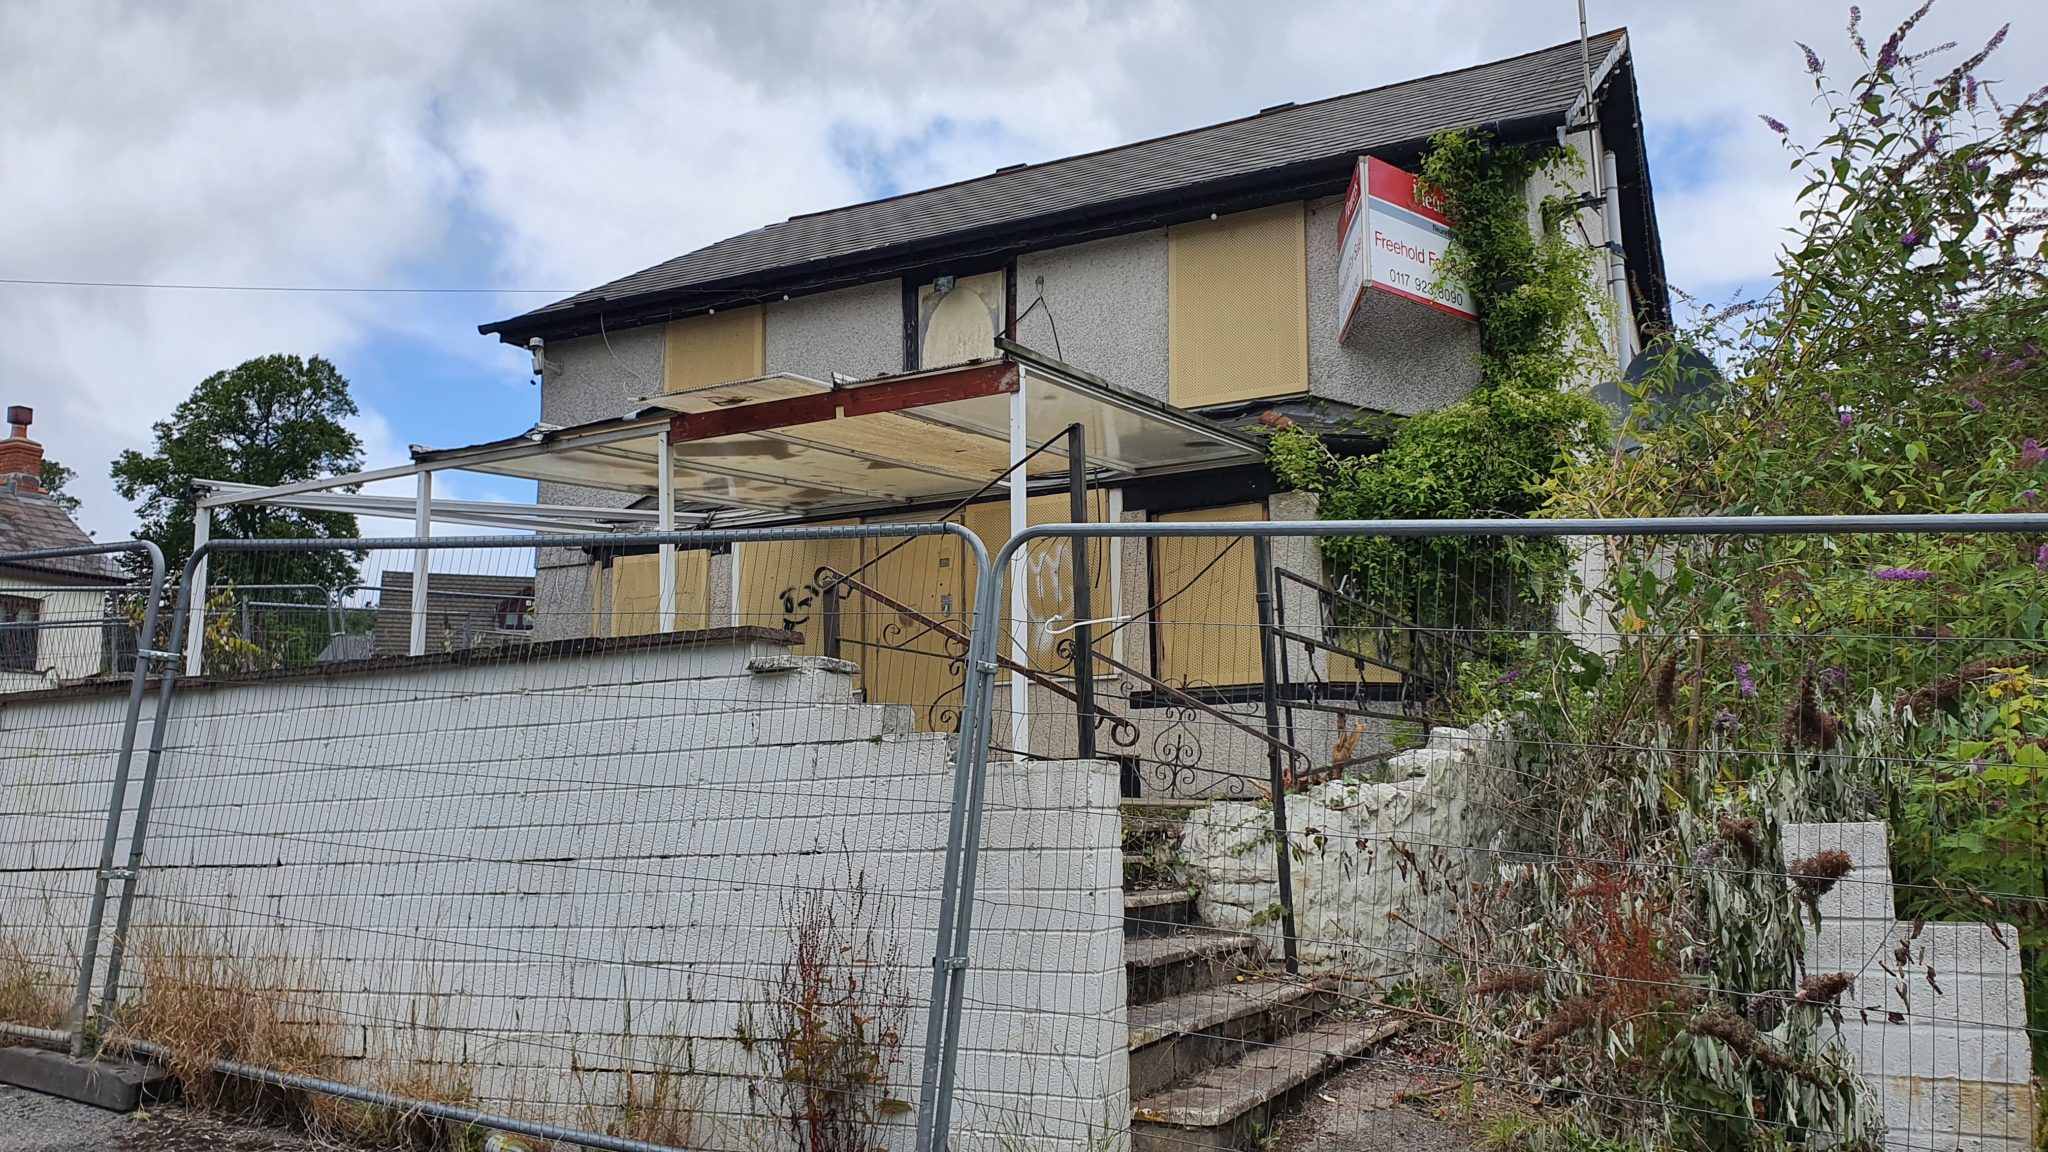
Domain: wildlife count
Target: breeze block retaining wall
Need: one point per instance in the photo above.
(1937, 1020)
(532, 870)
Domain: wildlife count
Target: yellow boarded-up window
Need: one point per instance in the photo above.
(1237, 307)
(1205, 627)
(779, 586)
(636, 593)
(714, 349)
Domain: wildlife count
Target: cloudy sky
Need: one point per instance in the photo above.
(548, 146)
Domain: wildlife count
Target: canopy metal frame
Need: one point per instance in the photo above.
(782, 449)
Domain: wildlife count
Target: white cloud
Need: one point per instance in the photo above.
(381, 142)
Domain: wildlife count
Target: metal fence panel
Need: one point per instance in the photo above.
(646, 876)
(1699, 832)
(72, 619)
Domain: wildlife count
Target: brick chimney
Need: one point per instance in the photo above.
(21, 459)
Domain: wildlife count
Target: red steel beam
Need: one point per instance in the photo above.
(967, 383)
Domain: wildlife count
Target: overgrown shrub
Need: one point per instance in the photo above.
(1490, 453)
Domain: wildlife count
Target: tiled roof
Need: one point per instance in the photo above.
(1538, 84)
(30, 520)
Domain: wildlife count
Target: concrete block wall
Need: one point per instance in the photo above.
(536, 871)
(1937, 1018)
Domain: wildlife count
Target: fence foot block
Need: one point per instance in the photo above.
(116, 1085)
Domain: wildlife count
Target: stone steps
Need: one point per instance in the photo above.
(1220, 1046)
(1157, 911)
(1184, 1035)
(1158, 967)
(1234, 1105)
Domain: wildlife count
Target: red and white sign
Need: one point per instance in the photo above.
(1391, 240)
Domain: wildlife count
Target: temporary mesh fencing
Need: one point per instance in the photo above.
(535, 851)
(1707, 833)
(1715, 833)
(67, 615)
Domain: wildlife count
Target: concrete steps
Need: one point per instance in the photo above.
(1157, 911)
(1220, 1045)
(1157, 967)
(1185, 1035)
(1234, 1105)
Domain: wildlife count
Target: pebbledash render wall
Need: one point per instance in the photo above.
(532, 870)
(1105, 311)
(1937, 1018)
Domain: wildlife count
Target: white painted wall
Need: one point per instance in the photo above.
(64, 650)
(533, 869)
(1940, 1035)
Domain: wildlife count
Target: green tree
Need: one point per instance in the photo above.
(271, 420)
(53, 478)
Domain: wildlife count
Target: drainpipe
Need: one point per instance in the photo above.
(1617, 266)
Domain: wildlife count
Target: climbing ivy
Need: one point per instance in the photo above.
(1491, 453)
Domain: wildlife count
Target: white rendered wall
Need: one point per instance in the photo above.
(63, 652)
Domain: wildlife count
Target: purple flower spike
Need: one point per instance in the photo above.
(1970, 91)
(1978, 164)
(1813, 64)
(1910, 575)
(1836, 674)
(2041, 559)
(2031, 495)
(1846, 419)
(1509, 676)
(1725, 721)
(1973, 404)
(2032, 454)
(1911, 239)
(1743, 682)
(1775, 124)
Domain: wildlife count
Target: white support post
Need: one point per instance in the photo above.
(1020, 600)
(1115, 560)
(734, 552)
(665, 521)
(195, 620)
(422, 527)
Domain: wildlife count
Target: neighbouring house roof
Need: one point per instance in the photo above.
(1289, 152)
(30, 521)
(462, 607)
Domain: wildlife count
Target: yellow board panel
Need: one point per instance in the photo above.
(714, 349)
(778, 585)
(1206, 630)
(905, 659)
(1237, 307)
(636, 593)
